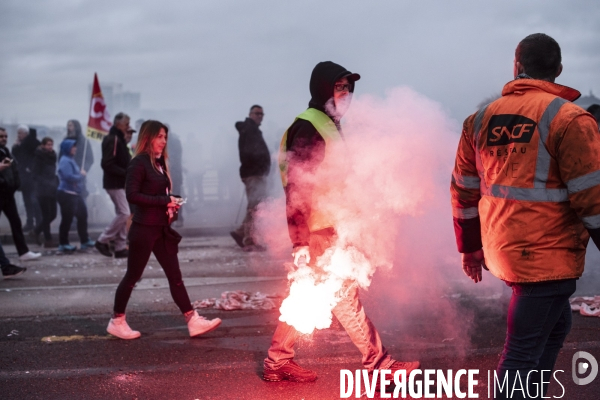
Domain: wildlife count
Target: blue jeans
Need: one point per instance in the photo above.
(539, 319)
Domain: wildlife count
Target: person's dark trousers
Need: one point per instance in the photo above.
(48, 207)
(72, 205)
(32, 207)
(539, 319)
(9, 207)
(3, 259)
(144, 240)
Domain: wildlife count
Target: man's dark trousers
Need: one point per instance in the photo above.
(539, 319)
(9, 207)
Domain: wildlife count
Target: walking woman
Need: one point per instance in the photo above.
(71, 203)
(147, 186)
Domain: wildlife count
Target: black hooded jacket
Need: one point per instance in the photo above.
(254, 153)
(115, 159)
(24, 153)
(306, 149)
(44, 172)
(9, 177)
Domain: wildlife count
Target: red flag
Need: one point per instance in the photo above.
(99, 122)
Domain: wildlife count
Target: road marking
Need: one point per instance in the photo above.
(74, 338)
(156, 283)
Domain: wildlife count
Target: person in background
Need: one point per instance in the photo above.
(84, 156)
(176, 164)
(9, 183)
(115, 158)
(24, 152)
(594, 109)
(9, 270)
(255, 162)
(148, 187)
(46, 182)
(128, 138)
(70, 200)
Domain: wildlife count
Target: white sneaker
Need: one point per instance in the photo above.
(30, 255)
(199, 325)
(118, 327)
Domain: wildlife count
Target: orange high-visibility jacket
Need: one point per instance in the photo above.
(526, 183)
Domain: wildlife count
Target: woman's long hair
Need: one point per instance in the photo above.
(148, 132)
(77, 126)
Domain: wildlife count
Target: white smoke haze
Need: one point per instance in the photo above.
(386, 188)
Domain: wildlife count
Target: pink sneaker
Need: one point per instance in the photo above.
(199, 325)
(118, 327)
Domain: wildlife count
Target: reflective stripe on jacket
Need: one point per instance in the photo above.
(528, 167)
(329, 132)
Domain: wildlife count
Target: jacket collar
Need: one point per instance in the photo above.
(522, 85)
(115, 131)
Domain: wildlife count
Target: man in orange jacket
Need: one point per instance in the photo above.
(526, 193)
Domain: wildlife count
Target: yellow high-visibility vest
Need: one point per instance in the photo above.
(329, 132)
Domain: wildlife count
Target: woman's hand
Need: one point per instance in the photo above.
(175, 203)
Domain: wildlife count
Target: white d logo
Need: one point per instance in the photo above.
(583, 367)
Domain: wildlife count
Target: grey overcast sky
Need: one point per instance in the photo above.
(213, 59)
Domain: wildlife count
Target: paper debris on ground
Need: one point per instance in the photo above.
(238, 300)
(588, 306)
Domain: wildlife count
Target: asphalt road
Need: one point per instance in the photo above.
(53, 343)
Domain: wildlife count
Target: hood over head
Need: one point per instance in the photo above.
(323, 78)
(66, 146)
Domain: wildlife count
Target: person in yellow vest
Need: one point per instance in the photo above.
(525, 200)
(303, 150)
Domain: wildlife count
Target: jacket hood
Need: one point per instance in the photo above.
(322, 80)
(66, 146)
(523, 84)
(241, 124)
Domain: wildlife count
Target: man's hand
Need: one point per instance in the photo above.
(301, 251)
(472, 264)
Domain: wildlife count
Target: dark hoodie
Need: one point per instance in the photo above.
(115, 159)
(44, 172)
(254, 153)
(306, 149)
(24, 153)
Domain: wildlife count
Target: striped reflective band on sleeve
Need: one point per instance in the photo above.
(466, 182)
(528, 194)
(584, 182)
(477, 133)
(465, 213)
(542, 166)
(591, 222)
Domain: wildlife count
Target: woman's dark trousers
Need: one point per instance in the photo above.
(144, 240)
(72, 205)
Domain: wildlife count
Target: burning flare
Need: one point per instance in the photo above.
(314, 292)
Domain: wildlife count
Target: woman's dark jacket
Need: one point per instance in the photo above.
(44, 172)
(147, 189)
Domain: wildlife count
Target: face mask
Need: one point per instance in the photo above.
(338, 108)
